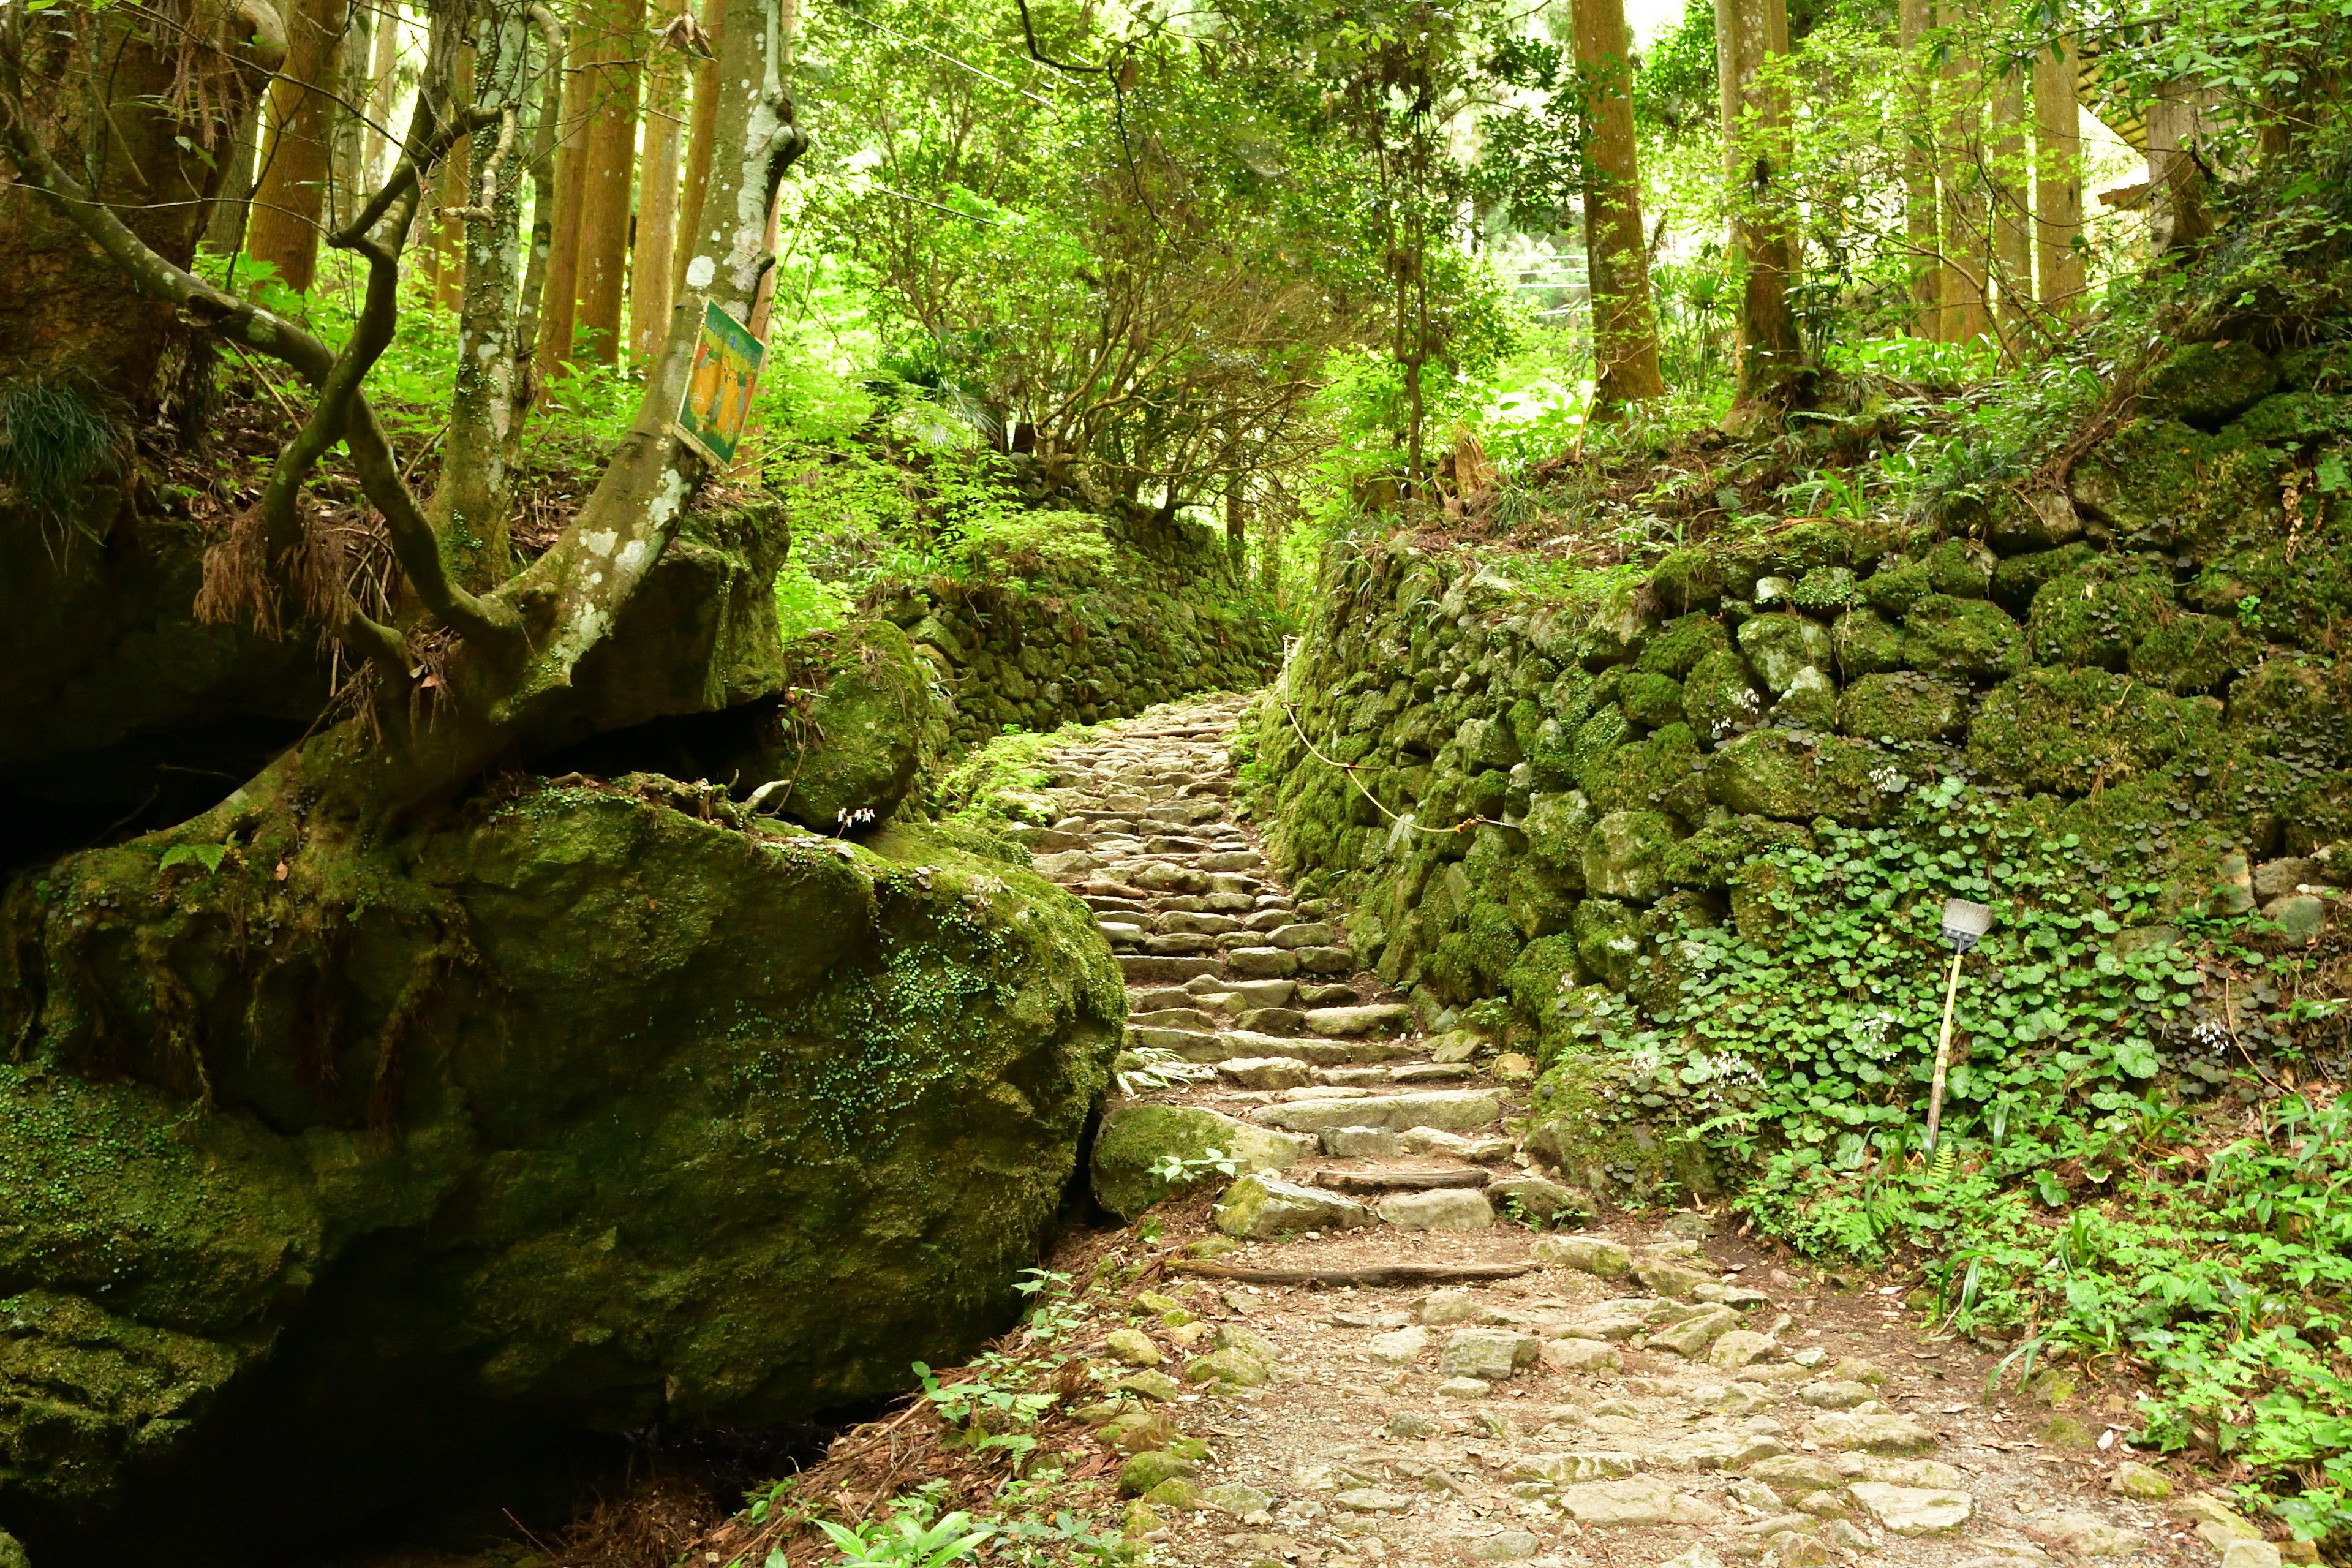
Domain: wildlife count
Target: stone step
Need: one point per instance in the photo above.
(1188, 1018)
(1379, 1180)
(1149, 969)
(1449, 1111)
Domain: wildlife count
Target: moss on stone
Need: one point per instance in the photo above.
(1542, 973)
(1661, 772)
(2019, 577)
(1826, 590)
(1719, 696)
(1866, 643)
(1966, 639)
(1899, 582)
(1960, 568)
(1540, 897)
(1650, 699)
(1903, 707)
(1810, 703)
(2209, 383)
(2069, 730)
(2097, 613)
(1134, 1139)
(1626, 855)
(1680, 643)
(1608, 940)
(2189, 653)
(1773, 772)
(1555, 825)
(1778, 646)
(1709, 857)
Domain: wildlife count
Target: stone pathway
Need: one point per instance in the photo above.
(1640, 1394)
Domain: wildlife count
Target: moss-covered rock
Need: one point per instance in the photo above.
(1966, 639)
(1709, 857)
(585, 1111)
(2020, 577)
(1721, 697)
(1773, 772)
(1681, 643)
(2209, 383)
(1663, 772)
(2069, 730)
(1654, 700)
(1899, 582)
(874, 729)
(1627, 855)
(1779, 646)
(2099, 612)
(1555, 825)
(1866, 643)
(1810, 703)
(1608, 940)
(2188, 654)
(1903, 707)
(1960, 568)
(1134, 1139)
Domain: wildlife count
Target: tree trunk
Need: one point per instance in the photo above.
(1269, 549)
(610, 167)
(2011, 234)
(1919, 228)
(383, 87)
(232, 201)
(697, 159)
(448, 258)
(1616, 250)
(1236, 523)
(1967, 246)
(1751, 36)
(66, 308)
(290, 201)
(470, 504)
(2057, 180)
(355, 85)
(650, 260)
(559, 298)
(2177, 215)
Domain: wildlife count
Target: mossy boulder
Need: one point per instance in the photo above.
(1719, 696)
(2209, 383)
(1780, 647)
(1555, 827)
(1627, 855)
(2020, 577)
(1773, 772)
(2097, 614)
(1680, 643)
(874, 728)
(2067, 731)
(1810, 703)
(582, 1110)
(1651, 699)
(1866, 643)
(1960, 568)
(1663, 772)
(1608, 940)
(1966, 639)
(1133, 1139)
(2189, 653)
(1709, 857)
(1903, 707)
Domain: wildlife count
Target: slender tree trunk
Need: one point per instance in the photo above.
(650, 260)
(559, 300)
(2012, 233)
(1617, 256)
(225, 221)
(470, 506)
(448, 259)
(610, 167)
(384, 87)
(697, 158)
(1751, 36)
(1236, 523)
(1967, 246)
(763, 303)
(290, 201)
(1919, 228)
(2177, 215)
(354, 61)
(2057, 180)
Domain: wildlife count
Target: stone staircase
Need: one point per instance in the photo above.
(1659, 1394)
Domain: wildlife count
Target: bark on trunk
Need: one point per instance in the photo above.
(2057, 180)
(470, 509)
(448, 258)
(1751, 34)
(650, 260)
(355, 85)
(560, 297)
(697, 155)
(2012, 234)
(1236, 523)
(610, 166)
(65, 307)
(290, 199)
(1920, 228)
(383, 86)
(2177, 215)
(232, 201)
(1960, 143)
(1617, 258)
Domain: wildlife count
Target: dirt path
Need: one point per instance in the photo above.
(1648, 1390)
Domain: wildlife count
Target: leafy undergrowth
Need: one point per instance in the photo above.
(2143, 1166)
(1002, 783)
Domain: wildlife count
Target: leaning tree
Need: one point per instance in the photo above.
(107, 113)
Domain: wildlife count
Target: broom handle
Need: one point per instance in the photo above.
(1943, 1055)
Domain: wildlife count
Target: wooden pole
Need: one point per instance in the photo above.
(1943, 1055)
